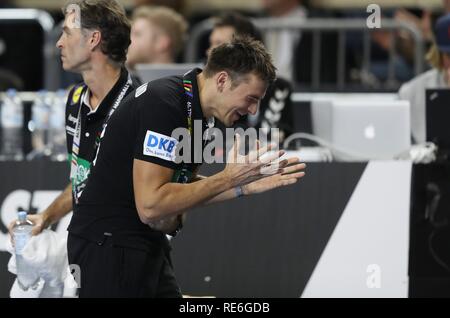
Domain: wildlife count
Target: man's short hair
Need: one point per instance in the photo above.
(169, 21)
(242, 25)
(108, 17)
(241, 57)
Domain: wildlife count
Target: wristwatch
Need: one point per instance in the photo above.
(239, 191)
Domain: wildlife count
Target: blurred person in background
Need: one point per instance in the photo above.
(177, 5)
(405, 45)
(446, 4)
(282, 44)
(157, 36)
(276, 107)
(438, 77)
(423, 20)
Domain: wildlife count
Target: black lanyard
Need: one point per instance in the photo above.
(77, 188)
(183, 176)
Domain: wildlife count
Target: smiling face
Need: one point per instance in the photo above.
(239, 99)
(73, 44)
(235, 79)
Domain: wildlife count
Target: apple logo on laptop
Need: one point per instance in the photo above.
(369, 132)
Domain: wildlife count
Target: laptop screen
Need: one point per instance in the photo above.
(366, 129)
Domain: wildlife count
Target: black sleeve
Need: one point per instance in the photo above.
(276, 107)
(158, 114)
(286, 121)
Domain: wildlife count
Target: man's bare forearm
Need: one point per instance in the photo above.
(224, 196)
(172, 198)
(169, 224)
(60, 207)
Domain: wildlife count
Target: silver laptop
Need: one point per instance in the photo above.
(322, 103)
(321, 109)
(150, 72)
(367, 129)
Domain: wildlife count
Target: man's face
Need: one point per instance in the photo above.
(239, 100)
(143, 47)
(73, 44)
(219, 36)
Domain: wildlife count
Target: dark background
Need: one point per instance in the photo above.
(261, 246)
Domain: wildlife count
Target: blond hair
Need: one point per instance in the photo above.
(169, 21)
(434, 57)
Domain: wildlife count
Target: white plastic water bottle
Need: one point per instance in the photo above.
(57, 130)
(11, 124)
(22, 234)
(39, 124)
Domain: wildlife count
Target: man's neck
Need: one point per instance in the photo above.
(100, 79)
(205, 101)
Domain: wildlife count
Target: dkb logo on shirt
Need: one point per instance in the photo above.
(161, 146)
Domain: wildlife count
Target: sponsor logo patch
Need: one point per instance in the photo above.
(76, 95)
(141, 90)
(70, 130)
(72, 119)
(160, 146)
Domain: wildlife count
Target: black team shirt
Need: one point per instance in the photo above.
(91, 122)
(140, 128)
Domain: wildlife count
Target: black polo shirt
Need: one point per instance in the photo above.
(91, 122)
(145, 118)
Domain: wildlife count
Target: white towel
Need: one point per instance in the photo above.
(46, 253)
